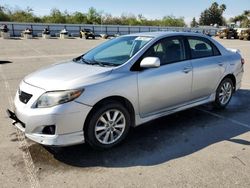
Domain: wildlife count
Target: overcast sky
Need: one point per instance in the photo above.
(150, 9)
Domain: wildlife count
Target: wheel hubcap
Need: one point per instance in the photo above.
(225, 93)
(110, 126)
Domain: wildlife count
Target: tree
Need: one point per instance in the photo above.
(243, 19)
(93, 16)
(56, 16)
(24, 16)
(75, 18)
(3, 14)
(194, 23)
(213, 15)
(173, 21)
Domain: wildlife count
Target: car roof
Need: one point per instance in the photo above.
(162, 34)
(166, 34)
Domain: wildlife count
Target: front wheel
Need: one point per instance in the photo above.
(224, 93)
(108, 125)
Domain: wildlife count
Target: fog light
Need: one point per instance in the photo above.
(50, 129)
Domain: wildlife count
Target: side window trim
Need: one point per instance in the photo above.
(214, 47)
(187, 48)
(204, 40)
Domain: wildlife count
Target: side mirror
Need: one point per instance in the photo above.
(150, 62)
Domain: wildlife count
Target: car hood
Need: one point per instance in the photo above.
(69, 75)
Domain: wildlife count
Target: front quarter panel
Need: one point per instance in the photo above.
(121, 84)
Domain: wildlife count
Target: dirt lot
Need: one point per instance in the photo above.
(200, 147)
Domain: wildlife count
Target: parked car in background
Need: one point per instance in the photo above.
(228, 33)
(122, 83)
(245, 34)
(87, 33)
(4, 28)
(46, 31)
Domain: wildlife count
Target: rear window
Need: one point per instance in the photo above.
(201, 47)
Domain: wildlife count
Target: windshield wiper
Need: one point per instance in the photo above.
(101, 63)
(86, 61)
(97, 63)
(92, 62)
(107, 63)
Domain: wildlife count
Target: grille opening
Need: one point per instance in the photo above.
(50, 129)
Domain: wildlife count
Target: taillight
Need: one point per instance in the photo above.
(242, 61)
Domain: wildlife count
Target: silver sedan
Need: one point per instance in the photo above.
(125, 82)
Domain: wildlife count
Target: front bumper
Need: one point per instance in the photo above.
(67, 118)
(50, 140)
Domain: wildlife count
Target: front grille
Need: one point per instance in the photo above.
(24, 97)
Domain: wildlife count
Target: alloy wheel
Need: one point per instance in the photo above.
(225, 93)
(110, 126)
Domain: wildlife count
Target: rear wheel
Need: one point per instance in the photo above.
(108, 125)
(224, 93)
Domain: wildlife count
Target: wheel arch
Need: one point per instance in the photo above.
(232, 77)
(124, 101)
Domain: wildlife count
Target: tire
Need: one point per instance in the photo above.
(102, 131)
(93, 37)
(224, 93)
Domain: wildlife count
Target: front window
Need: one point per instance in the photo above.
(168, 50)
(116, 52)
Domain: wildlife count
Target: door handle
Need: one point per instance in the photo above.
(220, 64)
(187, 69)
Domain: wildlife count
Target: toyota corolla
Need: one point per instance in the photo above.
(125, 82)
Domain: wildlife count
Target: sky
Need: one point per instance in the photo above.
(150, 9)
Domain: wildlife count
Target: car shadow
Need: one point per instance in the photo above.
(166, 138)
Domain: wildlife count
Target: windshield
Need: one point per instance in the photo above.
(115, 52)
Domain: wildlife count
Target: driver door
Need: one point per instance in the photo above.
(168, 85)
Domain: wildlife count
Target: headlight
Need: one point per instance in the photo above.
(54, 98)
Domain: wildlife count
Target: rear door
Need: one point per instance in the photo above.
(208, 66)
